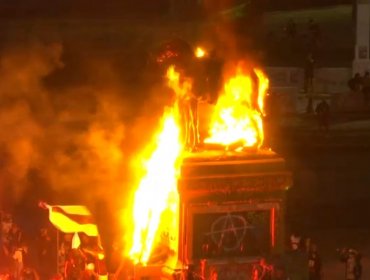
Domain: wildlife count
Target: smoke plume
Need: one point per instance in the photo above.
(68, 144)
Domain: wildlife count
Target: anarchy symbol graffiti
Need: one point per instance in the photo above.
(228, 231)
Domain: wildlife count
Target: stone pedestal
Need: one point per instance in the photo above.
(232, 211)
(361, 62)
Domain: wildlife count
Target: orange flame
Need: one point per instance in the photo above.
(200, 52)
(237, 116)
(76, 242)
(180, 85)
(156, 201)
(263, 85)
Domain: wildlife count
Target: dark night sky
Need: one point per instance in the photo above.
(47, 8)
(29, 8)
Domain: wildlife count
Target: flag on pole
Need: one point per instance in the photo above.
(74, 219)
(71, 218)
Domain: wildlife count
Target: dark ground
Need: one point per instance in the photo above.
(330, 197)
(331, 174)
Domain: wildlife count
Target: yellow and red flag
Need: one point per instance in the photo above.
(71, 218)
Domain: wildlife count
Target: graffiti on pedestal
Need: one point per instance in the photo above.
(228, 231)
(231, 234)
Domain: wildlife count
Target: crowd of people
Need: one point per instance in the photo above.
(15, 251)
(57, 256)
(361, 85)
(49, 256)
(303, 262)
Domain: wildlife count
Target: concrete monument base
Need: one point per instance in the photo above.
(361, 61)
(360, 66)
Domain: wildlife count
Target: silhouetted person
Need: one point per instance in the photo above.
(179, 53)
(355, 83)
(323, 114)
(75, 265)
(29, 274)
(309, 70)
(314, 263)
(352, 259)
(63, 251)
(366, 88)
(291, 29)
(296, 260)
(19, 256)
(46, 254)
(5, 255)
(188, 108)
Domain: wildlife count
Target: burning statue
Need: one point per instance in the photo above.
(195, 77)
(184, 204)
(187, 103)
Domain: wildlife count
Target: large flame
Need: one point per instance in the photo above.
(157, 190)
(156, 201)
(237, 116)
(180, 85)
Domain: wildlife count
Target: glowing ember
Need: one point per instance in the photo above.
(90, 266)
(199, 52)
(101, 256)
(237, 117)
(156, 199)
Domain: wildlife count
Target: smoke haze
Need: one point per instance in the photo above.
(77, 106)
(68, 143)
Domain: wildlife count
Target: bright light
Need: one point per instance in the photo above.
(76, 242)
(200, 52)
(237, 116)
(156, 200)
